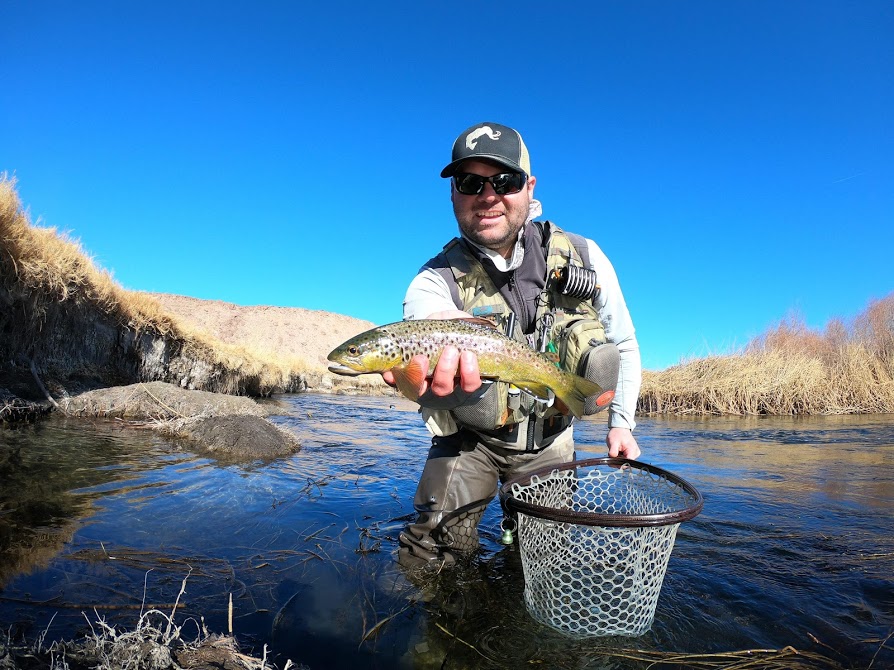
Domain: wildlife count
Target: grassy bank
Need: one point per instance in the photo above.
(847, 368)
(68, 321)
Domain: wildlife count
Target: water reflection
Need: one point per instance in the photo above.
(794, 544)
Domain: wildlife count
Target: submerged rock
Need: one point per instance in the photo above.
(238, 437)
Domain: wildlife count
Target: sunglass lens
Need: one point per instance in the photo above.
(469, 184)
(505, 183)
(508, 182)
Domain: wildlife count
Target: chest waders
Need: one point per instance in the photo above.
(460, 476)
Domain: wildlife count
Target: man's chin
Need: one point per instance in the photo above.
(488, 241)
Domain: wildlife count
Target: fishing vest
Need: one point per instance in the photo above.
(532, 310)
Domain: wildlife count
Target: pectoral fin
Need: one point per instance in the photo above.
(408, 379)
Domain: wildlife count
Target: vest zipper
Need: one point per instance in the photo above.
(516, 305)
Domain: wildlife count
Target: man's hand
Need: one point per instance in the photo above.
(621, 442)
(451, 365)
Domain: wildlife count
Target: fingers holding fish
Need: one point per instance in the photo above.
(452, 366)
(469, 373)
(388, 378)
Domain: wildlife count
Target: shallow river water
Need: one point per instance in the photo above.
(795, 545)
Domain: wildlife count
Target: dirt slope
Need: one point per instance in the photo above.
(285, 331)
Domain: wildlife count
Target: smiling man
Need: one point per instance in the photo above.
(553, 290)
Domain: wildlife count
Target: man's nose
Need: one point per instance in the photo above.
(488, 192)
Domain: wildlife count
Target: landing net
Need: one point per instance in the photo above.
(595, 539)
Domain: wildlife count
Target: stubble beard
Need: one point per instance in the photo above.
(468, 224)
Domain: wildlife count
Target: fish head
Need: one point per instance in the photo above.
(372, 351)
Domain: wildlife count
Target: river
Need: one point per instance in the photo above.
(794, 546)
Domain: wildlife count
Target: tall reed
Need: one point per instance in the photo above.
(847, 368)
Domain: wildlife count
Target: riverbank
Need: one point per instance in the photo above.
(68, 327)
(157, 641)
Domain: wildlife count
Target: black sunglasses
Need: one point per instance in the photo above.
(504, 183)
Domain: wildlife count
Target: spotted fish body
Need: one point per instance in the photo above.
(392, 347)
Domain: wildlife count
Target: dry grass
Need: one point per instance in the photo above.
(46, 260)
(791, 369)
(157, 642)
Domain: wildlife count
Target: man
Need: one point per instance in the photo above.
(507, 267)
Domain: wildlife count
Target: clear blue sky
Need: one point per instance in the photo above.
(735, 160)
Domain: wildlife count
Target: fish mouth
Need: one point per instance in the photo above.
(340, 369)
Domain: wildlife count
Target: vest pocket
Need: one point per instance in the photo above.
(499, 404)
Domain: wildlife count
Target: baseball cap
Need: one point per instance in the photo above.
(490, 141)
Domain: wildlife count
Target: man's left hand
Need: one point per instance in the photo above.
(621, 443)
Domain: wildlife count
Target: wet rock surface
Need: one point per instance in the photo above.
(238, 437)
(223, 426)
(157, 400)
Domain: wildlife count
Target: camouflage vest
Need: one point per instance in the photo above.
(480, 297)
(562, 325)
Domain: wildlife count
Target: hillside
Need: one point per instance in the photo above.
(283, 331)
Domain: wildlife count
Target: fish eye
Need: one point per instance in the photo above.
(353, 351)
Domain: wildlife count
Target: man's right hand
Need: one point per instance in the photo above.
(452, 365)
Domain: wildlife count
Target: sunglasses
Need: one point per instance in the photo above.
(504, 183)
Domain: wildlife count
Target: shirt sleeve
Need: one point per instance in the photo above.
(427, 293)
(618, 329)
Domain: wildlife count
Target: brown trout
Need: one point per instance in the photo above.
(393, 346)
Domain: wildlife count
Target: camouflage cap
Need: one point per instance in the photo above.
(490, 142)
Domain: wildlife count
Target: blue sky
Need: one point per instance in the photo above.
(733, 159)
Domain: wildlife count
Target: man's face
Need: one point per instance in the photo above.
(488, 219)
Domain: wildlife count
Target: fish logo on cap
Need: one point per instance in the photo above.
(472, 138)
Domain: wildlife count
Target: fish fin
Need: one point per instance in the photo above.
(408, 379)
(574, 392)
(586, 387)
(534, 388)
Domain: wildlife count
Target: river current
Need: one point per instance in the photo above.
(794, 546)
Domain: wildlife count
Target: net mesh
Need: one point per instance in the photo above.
(595, 539)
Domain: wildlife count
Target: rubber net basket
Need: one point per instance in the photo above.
(595, 539)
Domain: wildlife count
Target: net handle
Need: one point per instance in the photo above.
(514, 505)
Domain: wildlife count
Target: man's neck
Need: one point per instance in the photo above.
(507, 259)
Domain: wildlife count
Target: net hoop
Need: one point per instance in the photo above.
(513, 504)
